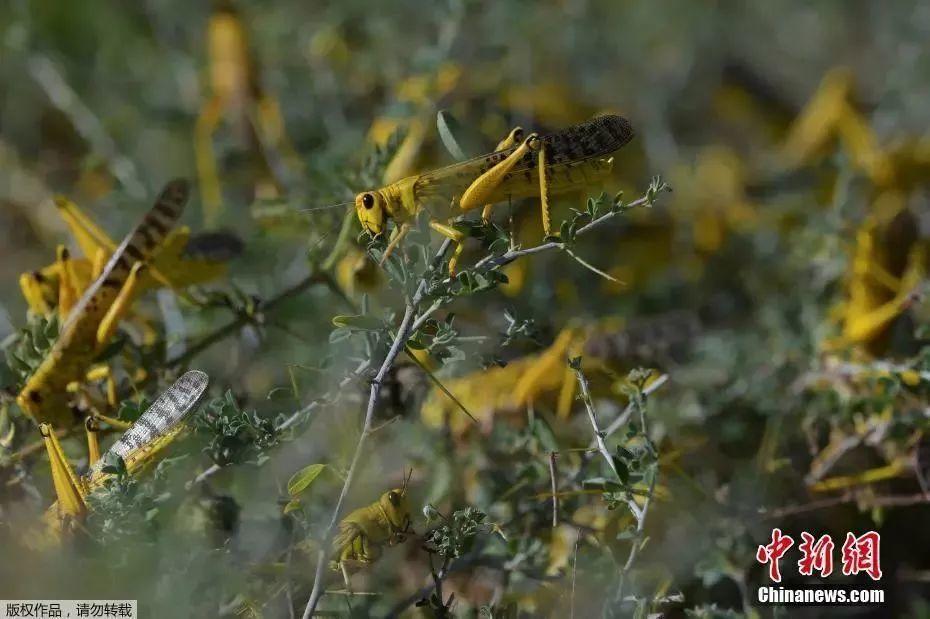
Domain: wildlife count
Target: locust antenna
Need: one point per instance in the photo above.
(325, 208)
(403, 489)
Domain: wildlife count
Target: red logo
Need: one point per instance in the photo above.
(816, 555)
(773, 552)
(860, 554)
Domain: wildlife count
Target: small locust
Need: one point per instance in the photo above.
(93, 319)
(520, 167)
(155, 429)
(364, 532)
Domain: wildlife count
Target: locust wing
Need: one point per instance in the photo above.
(569, 147)
(158, 426)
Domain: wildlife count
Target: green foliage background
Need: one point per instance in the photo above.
(735, 429)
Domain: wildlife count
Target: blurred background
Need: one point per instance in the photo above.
(779, 287)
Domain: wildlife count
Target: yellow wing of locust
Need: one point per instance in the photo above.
(44, 397)
(575, 156)
(172, 265)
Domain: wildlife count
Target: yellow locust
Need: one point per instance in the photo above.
(94, 317)
(363, 532)
(520, 167)
(155, 429)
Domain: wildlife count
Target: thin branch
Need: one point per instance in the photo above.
(490, 262)
(63, 97)
(400, 339)
(624, 417)
(574, 566)
(243, 319)
(555, 489)
(592, 417)
(893, 500)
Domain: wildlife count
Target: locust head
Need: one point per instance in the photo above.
(396, 508)
(371, 207)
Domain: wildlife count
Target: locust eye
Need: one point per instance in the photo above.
(394, 498)
(368, 200)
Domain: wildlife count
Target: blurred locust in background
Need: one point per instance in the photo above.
(888, 258)
(609, 348)
(236, 93)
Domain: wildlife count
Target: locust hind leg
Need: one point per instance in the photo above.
(513, 138)
(482, 189)
(546, 209)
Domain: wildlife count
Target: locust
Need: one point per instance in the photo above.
(364, 532)
(93, 319)
(521, 166)
(143, 441)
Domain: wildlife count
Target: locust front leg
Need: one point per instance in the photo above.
(398, 237)
(92, 430)
(34, 285)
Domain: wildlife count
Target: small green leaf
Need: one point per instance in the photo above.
(302, 479)
(292, 506)
(448, 127)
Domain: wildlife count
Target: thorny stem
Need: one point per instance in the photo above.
(592, 417)
(640, 516)
(243, 319)
(639, 513)
(624, 417)
(409, 321)
(400, 339)
(555, 489)
(490, 262)
(438, 577)
(850, 497)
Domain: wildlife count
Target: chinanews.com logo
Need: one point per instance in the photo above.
(858, 555)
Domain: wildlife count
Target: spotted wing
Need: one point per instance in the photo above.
(595, 138)
(138, 246)
(159, 424)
